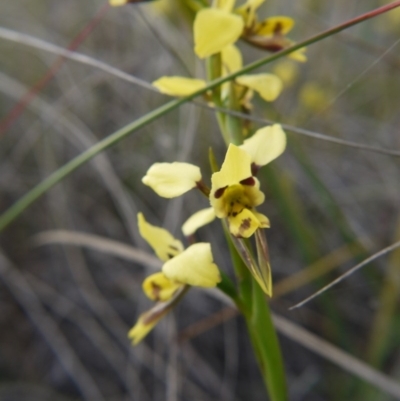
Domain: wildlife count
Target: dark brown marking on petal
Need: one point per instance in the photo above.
(273, 47)
(248, 181)
(245, 225)
(254, 169)
(156, 289)
(170, 255)
(278, 27)
(173, 247)
(219, 192)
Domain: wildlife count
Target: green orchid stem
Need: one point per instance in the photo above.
(234, 124)
(214, 72)
(18, 207)
(266, 345)
(252, 304)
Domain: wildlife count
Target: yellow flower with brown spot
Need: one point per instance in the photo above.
(235, 191)
(193, 266)
(222, 25)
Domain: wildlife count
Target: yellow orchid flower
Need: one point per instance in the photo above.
(268, 86)
(222, 25)
(264, 146)
(269, 34)
(193, 266)
(235, 193)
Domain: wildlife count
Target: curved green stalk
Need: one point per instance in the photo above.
(17, 208)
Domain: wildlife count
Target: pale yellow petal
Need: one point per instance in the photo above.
(116, 3)
(157, 287)
(274, 25)
(236, 167)
(194, 267)
(149, 319)
(248, 11)
(265, 145)
(214, 29)
(141, 329)
(243, 224)
(226, 5)
(170, 180)
(231, 59)
(268, 86)
(254, 195)
(164, 244)
(263, 220)
(178, 86)
(197, 220)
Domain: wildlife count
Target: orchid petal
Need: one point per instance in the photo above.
(194, 267)
(262, 219)
(236, 167)
(226, 5)
(141, 328)
(248, 10)
(178, 86)
(231, 59)
(274, 25)
(197, 220)
(214, 29)
(164, 244)
(116, 3)
(265, 145)
(157, 287)
(243, 224)
(268, 86)
(170, 180)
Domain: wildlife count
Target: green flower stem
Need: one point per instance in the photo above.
(242, 273)
(17, 208)
(234, 124)
(229, 289)
(214, 71)
(266, 346)
(259, 323)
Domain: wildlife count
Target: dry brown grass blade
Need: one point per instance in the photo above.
(100, 244)
(337, 356)
(287, 328)
(29, 302)
(322, 266)
(78, 133)
(348, 273)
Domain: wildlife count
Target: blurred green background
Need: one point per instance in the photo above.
(65, 308)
